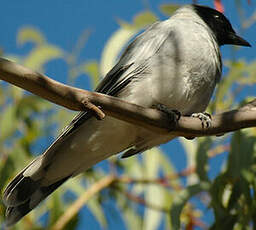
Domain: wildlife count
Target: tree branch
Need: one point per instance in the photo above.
(162, 181)
(78, 99)
(139, 200)
(78, 204)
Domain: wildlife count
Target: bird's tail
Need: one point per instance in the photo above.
(68, 156)
(24, 193)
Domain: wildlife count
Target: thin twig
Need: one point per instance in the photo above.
(140, 200)
(163, 181)
(218, 150)
(78, 204)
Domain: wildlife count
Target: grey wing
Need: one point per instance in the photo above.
(133, 58)
(129, 65)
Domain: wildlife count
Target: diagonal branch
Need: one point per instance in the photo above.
(78, 99)
(139, 200)
(78, 204)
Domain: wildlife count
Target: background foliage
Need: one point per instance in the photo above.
(149, 192)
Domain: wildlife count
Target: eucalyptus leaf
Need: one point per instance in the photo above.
(181, 199)
(140, 21)
(167, 168)
(204, 145)
(190, 147)
(8, 122)
(236, 70)
(132, 219)
(153, 194)
(169, 9)
(114, 46)
(92, 69)
(7, 168)
(240, 156)
(120, 38)
(30, 34)
(41, 55)
(56, 207)
(96, 208)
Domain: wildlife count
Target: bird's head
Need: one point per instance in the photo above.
(220, 26)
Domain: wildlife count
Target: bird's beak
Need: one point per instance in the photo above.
(234, 39)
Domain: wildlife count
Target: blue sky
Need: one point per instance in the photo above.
(63, 21)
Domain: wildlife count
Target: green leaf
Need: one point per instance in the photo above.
(169, 9)
(249, 74)
(30, 34)
(92, 69)
(230, 200)
(248, 175)
(7, 167)
(143, 19)
(74, 185)
(20, 157)
(56, 207)
(227, 222)
(41, 55)
(134, 169)
(204, 145)
(63, 118)
(132, 219)
(96, 208)
(223, 97)
(168, 168)
(113, 48)
(8, 122)
(240, 156)
(240, 193)
(181, 199)
(16, 92)
(73, 223)
(218, 188)
(140, 21)
(152, 218)
(31, 103)
(190, 147)
(120, 38)
(72, 58)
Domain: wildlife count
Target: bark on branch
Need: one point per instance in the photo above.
(78, 99)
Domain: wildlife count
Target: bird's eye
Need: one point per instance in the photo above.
(217, 16)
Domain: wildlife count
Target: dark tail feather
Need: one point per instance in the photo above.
(10, 197)
(25, 195)
(19, 191)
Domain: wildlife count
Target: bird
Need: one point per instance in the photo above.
(175, 63)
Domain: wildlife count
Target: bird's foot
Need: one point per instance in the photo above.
(205, 118)
(173, 114)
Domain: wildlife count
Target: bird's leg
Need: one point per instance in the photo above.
(205, 118)
(173, 114)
